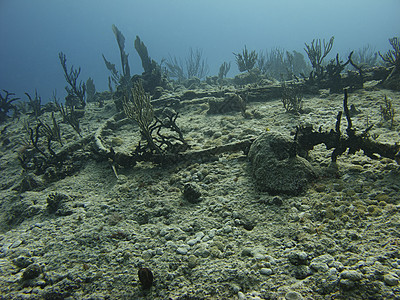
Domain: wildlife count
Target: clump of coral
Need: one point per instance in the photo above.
(392, 57)
(316, 54)
(387, 111)
(292, 98)
(163, 138)
(246, 60)
(6, 105)
(392, 60)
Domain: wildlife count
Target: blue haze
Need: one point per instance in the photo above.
(33, 32)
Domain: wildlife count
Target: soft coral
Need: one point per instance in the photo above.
(6, 105)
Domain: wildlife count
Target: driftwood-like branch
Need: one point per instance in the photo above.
(307, 138)
(265, 93)
(206, 154)
(119, 158)
(209, 154)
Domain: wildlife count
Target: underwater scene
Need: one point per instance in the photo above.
(191, 150)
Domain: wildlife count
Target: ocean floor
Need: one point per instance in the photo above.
(340, 239)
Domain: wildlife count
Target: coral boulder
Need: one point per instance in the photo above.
(274, 170)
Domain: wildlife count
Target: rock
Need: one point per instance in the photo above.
(189, 95)
(249, 77)
(22, 261)
(196, 239)
(241, 296)
(57, 203)
(274, 170)
(182, 250)
(192, 82)
(247, 252)
(391, 279)
(265, 271)
(351, 275)
(192, 261)
(392, 81)
(227, 229)
(230, 103)
(301, 272)
(298, 258)
(322, 263)
(325, 258)
(292, 295)
(320, 267)
(276, 201)
(202, 251)
(192, 193)
(31, 182)
(31, 272)
(347, 284)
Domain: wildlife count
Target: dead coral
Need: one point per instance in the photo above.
(306, 138)
(125, 78)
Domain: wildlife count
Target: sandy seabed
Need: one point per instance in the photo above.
(338, 240)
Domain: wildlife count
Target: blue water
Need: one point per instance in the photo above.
(33, 32)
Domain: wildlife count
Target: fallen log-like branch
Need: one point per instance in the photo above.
(124, 159)
(306, 138)
(206, 154)
(113, 122)
(130, 159)
(268, 92)
(71, 147)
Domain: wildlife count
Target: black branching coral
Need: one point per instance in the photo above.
(35, 104)
(147, 64)
(306, 138)
(316, 54)
(76, 91)
(246, 60)
(392, 57)
(392, 60)
(124, 56)
(6, 104)
(163, 138)
(139, 109)
(194, 65)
